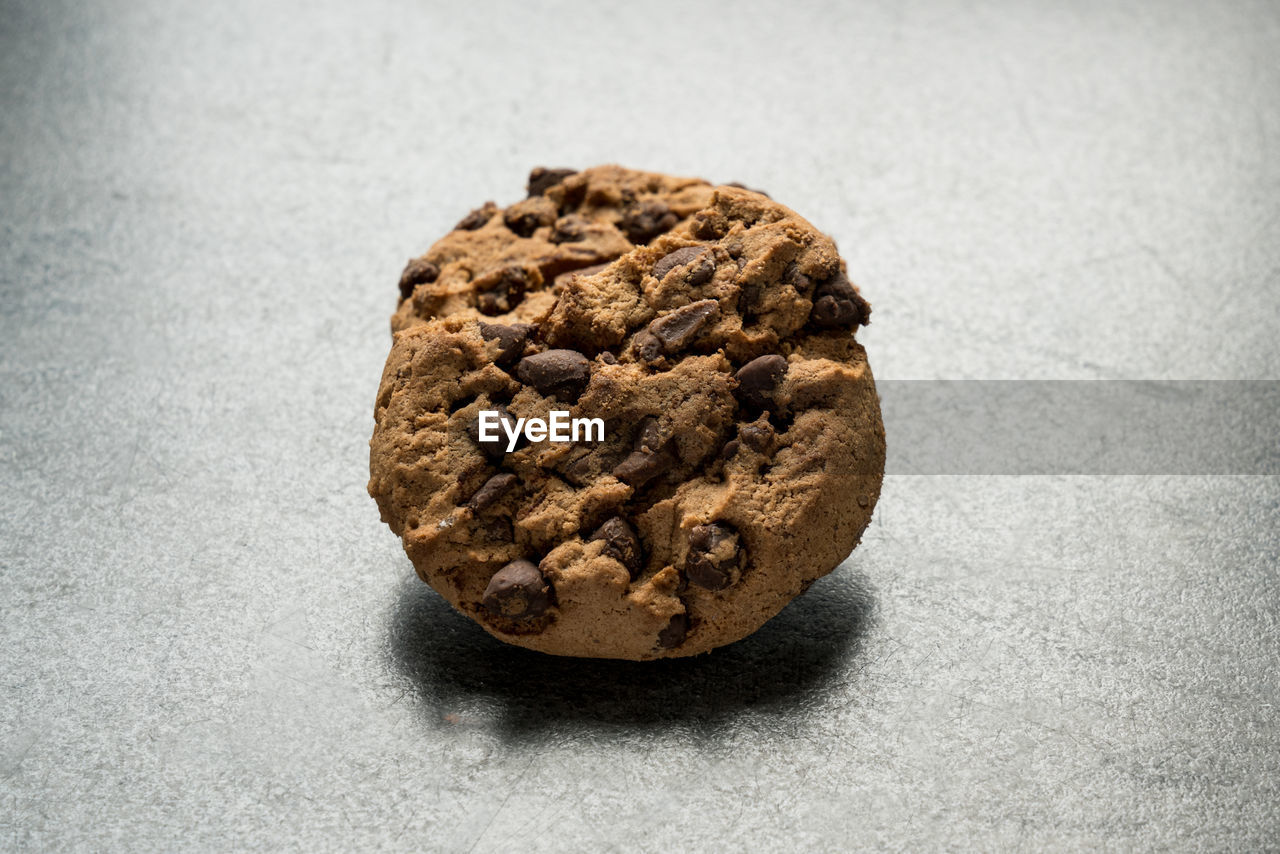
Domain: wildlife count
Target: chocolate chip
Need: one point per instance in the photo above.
(419, 271)
(491, 491)
(705, 538)
(511, 340)
(758, 379)
(524, 218)
(652, 456)
(524, 224)
(671, 260)
(477, 218)
(580, 472)
(570, 229)
(560, 372)
(837, 304)
(699, 273)
(647, 346)
(649, 436)
(703, 573)
(730, 449)
(640, 467)
(709, 225)
(830, 312)
(501, 290)
(541, 179)
(713, 556)
(494, 448)
(757, 436)
(608, 358)
(677, 329)
(620, 543)
(517, 591)
(644, 221)
(674, 633)
(793, 277)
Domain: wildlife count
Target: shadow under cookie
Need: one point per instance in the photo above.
(462, 676)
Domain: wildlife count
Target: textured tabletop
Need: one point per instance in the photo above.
(211, 643)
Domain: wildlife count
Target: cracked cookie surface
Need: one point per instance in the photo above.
(712, 330)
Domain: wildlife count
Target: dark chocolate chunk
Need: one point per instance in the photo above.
(759, 378)
(608, 358)
(541, 179)
(517, 591)
(673, 634)
(477, 218)
(511, 340)
(524, 218)
(646, 220)
(492, 490)
(699, 273)
(418, 271)
(757, 436)
(730, 449)
(560, 372)
(502, 289)
(494, 448)
(837, 304)
(713, 556)
(677, 329)
(620, 543)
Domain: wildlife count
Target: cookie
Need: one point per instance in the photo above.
(740, 449)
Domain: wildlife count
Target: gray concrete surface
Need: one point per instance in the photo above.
(210, 643)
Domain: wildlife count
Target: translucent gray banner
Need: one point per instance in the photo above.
(1082, 427)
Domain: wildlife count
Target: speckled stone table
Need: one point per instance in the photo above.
(211, 643)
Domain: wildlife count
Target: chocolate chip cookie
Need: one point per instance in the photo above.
(711, 330)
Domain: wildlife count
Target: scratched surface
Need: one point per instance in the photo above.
(210, 642)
